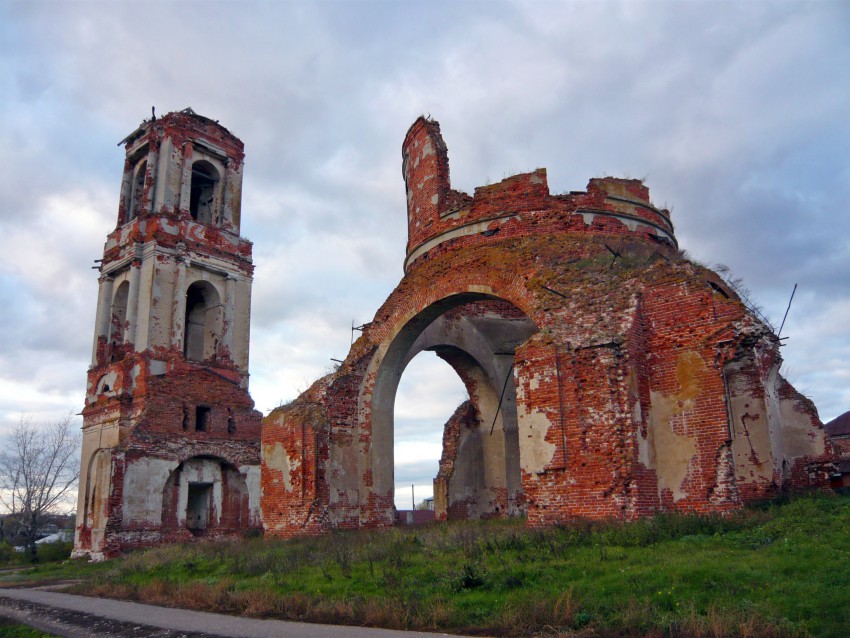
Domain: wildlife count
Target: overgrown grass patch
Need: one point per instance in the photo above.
(12, 629)
(775, 570)
(45, 553)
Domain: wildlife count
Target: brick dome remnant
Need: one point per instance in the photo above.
(608, 375)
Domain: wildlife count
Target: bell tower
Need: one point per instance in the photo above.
(171, 441)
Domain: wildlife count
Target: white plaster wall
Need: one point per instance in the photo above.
(146, 305)
(241, 323)
(535, 452)
(144, 481)
(670, 452)
(161, 303)
(251, 474)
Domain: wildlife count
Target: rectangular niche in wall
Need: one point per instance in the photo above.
(202, 418)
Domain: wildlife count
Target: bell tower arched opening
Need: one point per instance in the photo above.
(118, 315)
(202, 197)
(135, 201)
(203, 321)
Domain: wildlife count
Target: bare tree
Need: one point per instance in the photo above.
(39, 468)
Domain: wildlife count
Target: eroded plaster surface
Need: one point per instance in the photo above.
(142, 501)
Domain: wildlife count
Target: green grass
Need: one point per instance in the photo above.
(778, 570)
(12, 629)
(45, 553)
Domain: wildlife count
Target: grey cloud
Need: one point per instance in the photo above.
(735, 112)
(418, 472)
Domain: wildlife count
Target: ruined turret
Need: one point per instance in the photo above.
(440, 218)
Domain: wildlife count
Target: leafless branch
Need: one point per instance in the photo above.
(38, 470)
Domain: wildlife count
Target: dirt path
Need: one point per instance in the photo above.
(73, 616)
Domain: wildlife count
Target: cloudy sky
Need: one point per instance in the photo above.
(737, 115)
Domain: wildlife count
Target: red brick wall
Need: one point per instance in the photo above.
(626, 369)
(613, 333)
(294, 502)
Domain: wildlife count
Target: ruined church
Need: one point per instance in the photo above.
(608, 375)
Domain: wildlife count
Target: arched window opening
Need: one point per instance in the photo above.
(137, 191)
(106, 383)
(97, 485)
(203, 321)
(118, 320)
(202, 194)
(196, 321)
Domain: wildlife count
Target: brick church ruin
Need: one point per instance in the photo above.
(608, 375)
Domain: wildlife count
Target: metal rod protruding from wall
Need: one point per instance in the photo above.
(782, 325)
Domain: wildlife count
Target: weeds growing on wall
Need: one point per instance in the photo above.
(776, 570)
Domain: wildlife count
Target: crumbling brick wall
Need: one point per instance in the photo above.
(464, 419)
(634, 369)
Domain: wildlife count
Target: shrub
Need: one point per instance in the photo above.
(53, 552)
(7, 554)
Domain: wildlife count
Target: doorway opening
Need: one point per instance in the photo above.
(198, 507)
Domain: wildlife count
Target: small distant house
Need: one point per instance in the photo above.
(839, 431)
(414, 517)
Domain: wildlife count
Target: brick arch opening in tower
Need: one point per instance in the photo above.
(202, 196)
(118, 314)
(205, 496)
(203, 321)
(135, 198)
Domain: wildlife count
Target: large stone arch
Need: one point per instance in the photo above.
(484, 329)
(479, 473)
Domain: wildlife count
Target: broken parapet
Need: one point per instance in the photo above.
(608, 376)
(441, 218)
